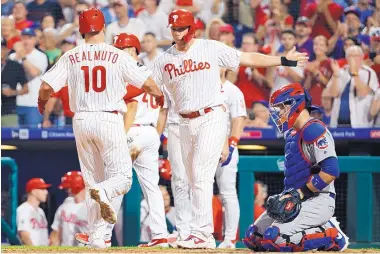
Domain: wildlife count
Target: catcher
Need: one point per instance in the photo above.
(300, 218)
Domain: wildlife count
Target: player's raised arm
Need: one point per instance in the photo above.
(293, 58)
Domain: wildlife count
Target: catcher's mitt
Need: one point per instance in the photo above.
(285, 210)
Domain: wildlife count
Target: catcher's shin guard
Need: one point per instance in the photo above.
(323, 240)
(271, 234)
(253, 238)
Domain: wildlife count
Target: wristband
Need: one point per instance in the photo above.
(233, 141)
(318, 182)
(286, 62)
(307, 193)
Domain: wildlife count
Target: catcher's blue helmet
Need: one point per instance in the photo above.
(287, 103)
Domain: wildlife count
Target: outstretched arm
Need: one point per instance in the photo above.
(292, 58)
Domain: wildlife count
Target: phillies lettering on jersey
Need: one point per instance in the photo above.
(187, 66)
(193, 77)
(73, 218)
(38, 223)
(96, 75)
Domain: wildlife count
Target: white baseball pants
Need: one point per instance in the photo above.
(147, 140)
(202, 141)
(179, 182)
(104, 160)
(226, 180)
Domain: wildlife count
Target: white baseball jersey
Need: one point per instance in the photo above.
(148, 62)
(193, 77)
(234, 99)
(147, 110)
(69, 219)
(96, 75)
(33, 220)
(173, 116)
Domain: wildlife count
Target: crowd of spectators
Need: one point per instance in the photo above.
(341, 37)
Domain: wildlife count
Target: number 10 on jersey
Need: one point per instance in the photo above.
(94, 78)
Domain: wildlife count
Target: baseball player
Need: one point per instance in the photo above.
(96, 74)
(190, 71)
(32, 226)
(143, 139)
(226, 171)
(300, 218)
(70, 217)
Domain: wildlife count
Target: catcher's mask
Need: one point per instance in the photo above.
(286, 105)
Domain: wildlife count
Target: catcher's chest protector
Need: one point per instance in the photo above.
(297, 167)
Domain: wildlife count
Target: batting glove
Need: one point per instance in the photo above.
(233, 143)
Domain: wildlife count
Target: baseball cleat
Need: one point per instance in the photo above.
(162, 242)
(193, 242)
(83, 238)
(106, 210)
(342, 239)
(227, 244)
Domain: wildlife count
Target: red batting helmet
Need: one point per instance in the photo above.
(165, 169)
(124, 40)
(36, 183)
(72, 180)
(91, 20)
(183, 18)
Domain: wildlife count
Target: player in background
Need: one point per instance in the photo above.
(190, 71)
(96, 74)
(32, 225)
(179, 182)
(226, 171)
(145, 141)
(311, 167)
(70, 217)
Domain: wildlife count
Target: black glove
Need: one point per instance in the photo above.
(285, 210)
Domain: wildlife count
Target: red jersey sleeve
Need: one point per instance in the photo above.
(132, 92)
(57, 94)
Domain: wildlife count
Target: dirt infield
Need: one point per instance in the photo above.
(32, 250)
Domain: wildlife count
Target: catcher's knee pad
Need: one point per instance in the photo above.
(324, 240)
(271, 235)
(253, 238)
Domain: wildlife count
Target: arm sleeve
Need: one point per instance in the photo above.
(23, 220)
(236, 103)
(56, 77)
(227, 56)
(166, 98)
(133, 72)
(57, 219)
(157, 74)
(324, 147)
(132, 92)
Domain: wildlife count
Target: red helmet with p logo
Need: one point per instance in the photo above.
(183, 18)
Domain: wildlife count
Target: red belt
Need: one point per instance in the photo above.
(112, 112)
(196, 114)
(138, 125)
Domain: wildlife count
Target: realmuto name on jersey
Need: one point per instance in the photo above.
(188, 65)
(93, 56)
